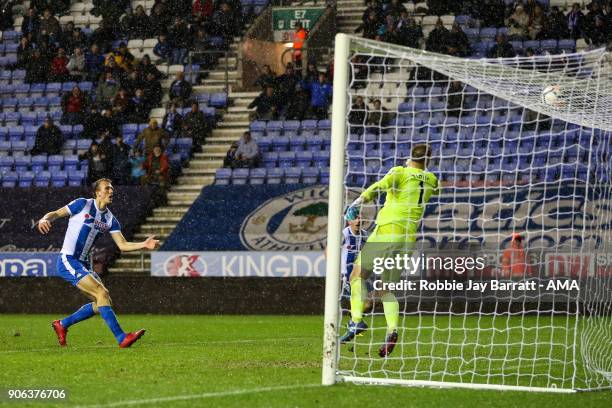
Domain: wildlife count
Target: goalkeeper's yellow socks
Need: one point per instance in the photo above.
(357, 299)
(391, 307)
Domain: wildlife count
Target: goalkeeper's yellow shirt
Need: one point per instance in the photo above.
(408, 191)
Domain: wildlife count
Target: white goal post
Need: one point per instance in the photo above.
(523, 173)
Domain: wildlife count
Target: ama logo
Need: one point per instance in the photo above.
(296, 221)
(185, 265)
(14, 268)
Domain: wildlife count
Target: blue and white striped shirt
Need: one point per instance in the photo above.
(86, 225)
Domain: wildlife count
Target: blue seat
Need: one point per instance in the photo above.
(55, 162)
(42, 179)
(218, 100)
(292, 125)
(25, 104)
(270, 159)
(129, 128)
(303, 159)
(71, 163)
(28, 119)
(309, 124)
(22, 163)
(320, 158)
(41, 104)
(5, 77)
(67, 86)
(264, 143)
(9, 179)
(15, 133)
(53, 89)
(5, 146)
(86, 86)
(11, 36)
(280, 144)
(314, 143)
(275, 175)
(240, 176)
(488, 33)
(293, 175)
(37, 90)
(310, 175)
(286, 159)
(19, 146)
(324, 124)
(66, 130)
(533, 44)
(38, 163)
(257, 176)
(77, 130)
(258, 126)
(18, 75)
(9, 104)
(324, 175)
(297, 143)
(83, 144)
(55, 102)
(548, 45)
(274, 126)
(6, 163)
(76, 178)
(22, 90)
(25, 179)
(472, 33)
(58, 178)
(12, 118)
(567, 45)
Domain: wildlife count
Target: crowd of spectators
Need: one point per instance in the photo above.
(525, 20)
(125, 89)
(292, 96)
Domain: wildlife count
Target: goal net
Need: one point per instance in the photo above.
(520, 148)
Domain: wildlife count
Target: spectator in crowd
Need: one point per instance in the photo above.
(454, 100)
(179, 38)
(74, 106)
(121, 104)
(37, 69)
(298, 104)
(230, 156)
(491, 12)
(24, 53)
(152, 136)
(357, 117)
(299, 38)
(536, 22)
(137, 24)
(320, 95)
(153, 91)
(599, 35)
(458, 43)
(223, 24)
(515, 263)
(370, 25)
(110, 10)
(30, 23)
(518, 23)
(180, 90)
(145, 67)
(49, 26)
(575, 22)
(195, 126)
(138, 108)
(377, 117)
(74, 40)
(202, 10)
(409, 33)
(94, 62)
(172, 122)
(163, 49)
(265, 104)
(395, 9)
(285, 87)
(137, 165)
(121, 167)
(56, 6)
(76, 65)
(97, 163)
(267, 78)
(106, 91)
(160, 20)
(438, 38)
(59, 67)
(121, 57)
(104, 35)
(157, 168)
(131, 82)
(92, 123)
(558, 23)
(502, 48)
(247, 153)
(49, 139)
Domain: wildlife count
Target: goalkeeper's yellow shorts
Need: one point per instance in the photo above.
(387, 241)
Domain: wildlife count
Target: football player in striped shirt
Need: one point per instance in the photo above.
(89, 219)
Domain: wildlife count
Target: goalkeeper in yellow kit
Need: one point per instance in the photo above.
(408, 190)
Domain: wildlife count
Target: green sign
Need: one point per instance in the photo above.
(285, 19)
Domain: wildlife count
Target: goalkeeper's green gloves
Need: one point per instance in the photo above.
(352, 212)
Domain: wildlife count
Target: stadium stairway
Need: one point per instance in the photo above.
(349, 15)
(202, 167)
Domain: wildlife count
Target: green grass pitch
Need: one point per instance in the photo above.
(222, 361)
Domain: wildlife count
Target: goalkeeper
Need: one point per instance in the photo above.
(408, 191)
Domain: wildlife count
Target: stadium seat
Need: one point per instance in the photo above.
(310, 175)
(264, 143)
(58, 178)
(286, 159)
(324, 175)
(9, 179)
(54, 163)
(320, 159)
(76, 178)
(293, 175)
(218, 100)
(5, 146)
(25, 179)
(71, 163)
(309, 125)
(223, 176)
(257, 176)
(42, 179)
(22, 163)
(22, 91)
(240, 176)
(280, 144)
(6, 163)
(270, 159)
(297, 143)
(275, 175)
(53, 89)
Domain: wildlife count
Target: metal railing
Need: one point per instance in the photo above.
(211, 61)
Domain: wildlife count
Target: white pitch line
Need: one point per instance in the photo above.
(198, 396)
(146, 345)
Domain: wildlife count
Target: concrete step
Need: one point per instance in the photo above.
(220, 75)
(182, 194)
(186, 188)
(190, 172)
(216, 149)
(240, 109)
(231, 124)
(247, 95)
(235, 132)
(210, 155)
(208, 88)
(242, 101)
(205, 164)
(156, 229)
(169, 210)
(242, 116)
(164, 219)
(141, 236)
(224, 140)
(202, 181)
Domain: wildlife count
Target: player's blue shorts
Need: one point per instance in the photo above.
(73, 270)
